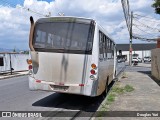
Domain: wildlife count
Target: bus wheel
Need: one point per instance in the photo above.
(106, 88)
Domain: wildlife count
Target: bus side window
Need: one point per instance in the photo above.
(112, 50)
(111, 45)
(100, 46)
(104, 47)
(109, 55)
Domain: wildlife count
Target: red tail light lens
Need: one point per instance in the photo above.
(81, 85)
(30, 67)
(93, 72)
(38, 81)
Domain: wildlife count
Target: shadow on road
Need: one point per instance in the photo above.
(70, 101)
(73, 102)
(138, 66)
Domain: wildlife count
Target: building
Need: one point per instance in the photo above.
(143, 50)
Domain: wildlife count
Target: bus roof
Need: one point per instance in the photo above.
(65, 18)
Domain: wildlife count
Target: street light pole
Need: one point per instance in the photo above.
(130, 41)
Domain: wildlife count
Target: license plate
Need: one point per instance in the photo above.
(59, 88)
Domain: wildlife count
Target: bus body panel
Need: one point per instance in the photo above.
(95, 60)
(61, 67)
(105, 68)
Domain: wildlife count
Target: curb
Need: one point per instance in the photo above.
(11, 76)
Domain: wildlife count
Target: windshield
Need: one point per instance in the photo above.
(65, 37)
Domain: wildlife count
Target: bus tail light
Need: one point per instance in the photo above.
(29, 61)
(38, 81)
(93, 72)
(93, 66)
(30, 67)
(92, 77)
(81, 85)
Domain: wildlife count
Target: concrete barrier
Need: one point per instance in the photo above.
(13, 60)
(155, 63)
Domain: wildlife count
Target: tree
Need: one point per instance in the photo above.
(156, 5)
(14, 50)
(26, 52)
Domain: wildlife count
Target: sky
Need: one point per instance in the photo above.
(15, 24)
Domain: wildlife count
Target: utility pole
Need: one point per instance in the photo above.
(130, 41)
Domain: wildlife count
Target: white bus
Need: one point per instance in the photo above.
(70, 55)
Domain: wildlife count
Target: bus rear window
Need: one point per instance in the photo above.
(65, 37)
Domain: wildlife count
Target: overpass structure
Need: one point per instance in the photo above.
(136, 47)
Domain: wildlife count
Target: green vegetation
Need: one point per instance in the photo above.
(128, 88)
(14, 50)
(118, 90)
(111, 97)
(156, 5)
(26, 52)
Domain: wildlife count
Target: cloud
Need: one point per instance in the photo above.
(14, 28)
(15, 24)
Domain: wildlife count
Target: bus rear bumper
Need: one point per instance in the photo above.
(48, 86)
(33, 85)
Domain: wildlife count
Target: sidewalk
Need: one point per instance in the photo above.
(14, 74)
(145, 97)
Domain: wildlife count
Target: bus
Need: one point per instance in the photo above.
(70, 55)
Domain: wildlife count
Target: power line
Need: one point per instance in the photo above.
(142, 30)
(144, 39)
(147, 25)
(143, 16)
(146, 17)
(144, 36)
(11, 4)
(126, 11)
(30, 10)
(140, 37)
(129, 22)
(151, 30)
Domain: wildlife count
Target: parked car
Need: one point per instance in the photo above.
(134, 59)
(147, 59)
(139, 60)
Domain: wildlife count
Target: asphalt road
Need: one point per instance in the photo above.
(16, 96)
